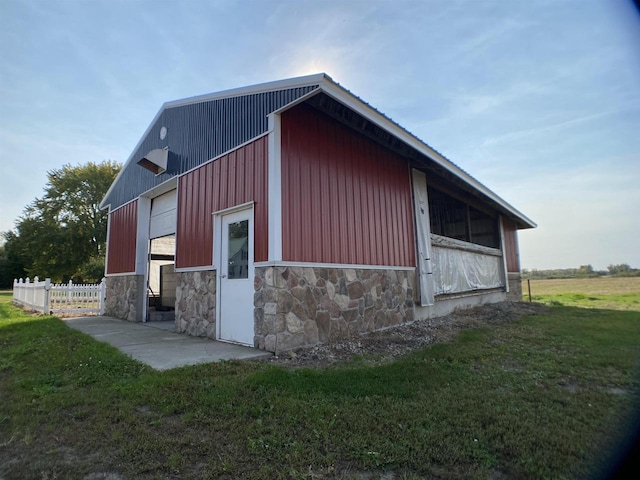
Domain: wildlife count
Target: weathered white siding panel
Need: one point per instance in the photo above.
(163, 215)
(423, 233)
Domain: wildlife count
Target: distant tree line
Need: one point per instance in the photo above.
(584, 271)
(63, 234)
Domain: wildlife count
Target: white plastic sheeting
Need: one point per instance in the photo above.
(457, 270)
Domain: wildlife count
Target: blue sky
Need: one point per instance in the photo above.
(540, 101)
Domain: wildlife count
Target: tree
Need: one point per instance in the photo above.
(12, 261)
(63, 234)
(621, 268)
(585, 270)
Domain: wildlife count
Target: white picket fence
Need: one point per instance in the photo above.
(62, 298)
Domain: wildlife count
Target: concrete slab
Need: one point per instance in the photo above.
(169, 325)
(157, 345)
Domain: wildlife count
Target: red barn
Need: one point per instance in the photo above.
(291, 213)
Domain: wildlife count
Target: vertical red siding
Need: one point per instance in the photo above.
(345, 199)
(121, 245)
(510, 246)
(236, 178)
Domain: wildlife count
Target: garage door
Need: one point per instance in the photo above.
(163, 215)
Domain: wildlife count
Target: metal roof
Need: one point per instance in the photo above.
(346, 97)
(195, 135)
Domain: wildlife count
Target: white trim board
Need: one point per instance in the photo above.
(257, 137)
(106, 249)
(123, 205)
(329, 265)
(201, 268)
(274, 189)
(142, 249)
(504, 254)
(164, 187)
(235, 208)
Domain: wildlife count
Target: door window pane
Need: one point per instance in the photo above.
(238, 254)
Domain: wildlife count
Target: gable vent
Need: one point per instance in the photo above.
(156, 160)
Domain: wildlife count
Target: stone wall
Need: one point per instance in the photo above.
(515, 287)
(303, 306)
(125, 297)
(196, 303)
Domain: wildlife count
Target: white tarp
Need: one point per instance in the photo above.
(456, 270)
(423, 230)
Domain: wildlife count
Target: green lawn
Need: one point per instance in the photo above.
(543, 397)
(618, 293)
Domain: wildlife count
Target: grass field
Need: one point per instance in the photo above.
(618, 293)
(546, 396)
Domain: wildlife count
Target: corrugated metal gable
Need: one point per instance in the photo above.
(198, 132)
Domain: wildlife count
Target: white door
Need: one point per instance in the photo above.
(163, 214)
(236, 278)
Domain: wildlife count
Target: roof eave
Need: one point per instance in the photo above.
(339, 93)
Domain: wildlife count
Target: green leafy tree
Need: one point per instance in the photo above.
(63, 234)
(12, 260)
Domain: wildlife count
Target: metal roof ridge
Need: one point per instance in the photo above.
(293, 82)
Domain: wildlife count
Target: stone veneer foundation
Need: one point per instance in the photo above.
(302, 306)
(125, 297)
(196, 303)
(515, 287)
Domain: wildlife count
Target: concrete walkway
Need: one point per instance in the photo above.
(157, 344)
